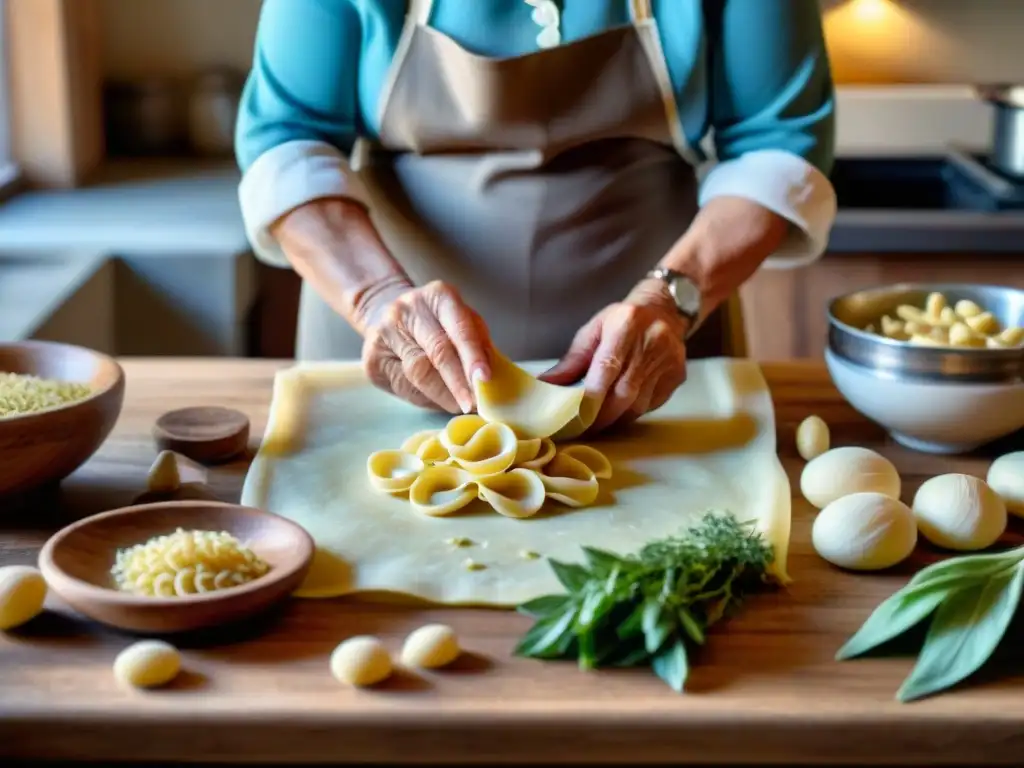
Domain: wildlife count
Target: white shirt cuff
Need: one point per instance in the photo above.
(285, 177)
(790, 187)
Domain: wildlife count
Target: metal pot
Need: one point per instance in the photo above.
(1008, 127)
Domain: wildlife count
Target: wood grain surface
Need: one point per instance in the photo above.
(765, 689)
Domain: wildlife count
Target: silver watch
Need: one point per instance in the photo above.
(684, 292)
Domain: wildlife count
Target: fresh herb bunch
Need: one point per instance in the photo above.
(646, 608)
(970, 601)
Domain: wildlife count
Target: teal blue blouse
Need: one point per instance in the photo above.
(754, 71)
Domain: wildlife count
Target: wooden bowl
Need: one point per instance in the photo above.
(37, 449)
(76, 563)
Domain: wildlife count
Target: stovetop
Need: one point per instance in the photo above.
(958, 180)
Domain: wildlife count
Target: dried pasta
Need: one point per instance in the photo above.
(443, 471)
(21, 393)
(186, 563)
(937, 324)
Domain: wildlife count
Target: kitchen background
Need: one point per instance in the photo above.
(149, 256)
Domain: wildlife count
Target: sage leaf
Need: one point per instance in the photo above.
(633, 625)
(593, 608)
(549, 637)
(573, 577)
(601, 562)
(540, 607)
(968, 566)
(693, 629)
(672, 665)
(657, 625)
(966, 629)
(898, 613)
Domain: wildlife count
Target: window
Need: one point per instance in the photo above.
(8, 171)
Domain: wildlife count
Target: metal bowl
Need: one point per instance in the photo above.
(850, 313)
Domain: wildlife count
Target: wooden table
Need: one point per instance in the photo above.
(765, 690)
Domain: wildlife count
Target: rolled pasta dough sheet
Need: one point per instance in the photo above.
(712, 446)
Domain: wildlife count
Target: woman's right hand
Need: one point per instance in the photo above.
(425, 345)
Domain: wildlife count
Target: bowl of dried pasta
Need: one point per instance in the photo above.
(58, 403)
(940, 366)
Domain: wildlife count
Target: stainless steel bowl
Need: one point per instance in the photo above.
(850, 313)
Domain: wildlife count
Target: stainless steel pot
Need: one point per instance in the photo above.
(1007, 127)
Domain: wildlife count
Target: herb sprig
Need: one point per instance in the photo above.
(648, 608)
(970, 601)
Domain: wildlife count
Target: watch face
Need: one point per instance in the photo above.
(686, 294)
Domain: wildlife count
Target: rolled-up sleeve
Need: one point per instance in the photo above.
(772, 111)
(298, 116)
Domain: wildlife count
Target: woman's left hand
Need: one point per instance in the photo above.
(632, 353)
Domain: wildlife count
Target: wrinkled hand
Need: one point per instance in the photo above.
(424, 345)
(632, 353)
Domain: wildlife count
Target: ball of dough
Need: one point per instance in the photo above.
(959, 512)
(22, 594)
(361, 661)
(431, 646)
(812, 438)
(865, 532)
(147, 664)
(1006, 477)
(842, 471)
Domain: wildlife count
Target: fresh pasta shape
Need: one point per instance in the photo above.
(186, 563)
(591, 458)
(545, 452)
(964, 325)
(531, 407)
(442, 490)
(518, 493)
(394, 471)
(569, 481)
(480, 447)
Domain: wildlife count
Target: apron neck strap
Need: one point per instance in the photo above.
(640, 10)
(419, 11)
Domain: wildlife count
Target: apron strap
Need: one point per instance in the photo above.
(419, 12)
(640, 10)
(417, 15)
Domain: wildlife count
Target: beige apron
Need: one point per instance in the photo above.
(542, 186)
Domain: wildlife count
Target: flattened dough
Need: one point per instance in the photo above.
(533, 408)
(712, 446)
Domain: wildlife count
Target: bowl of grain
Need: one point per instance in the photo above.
(58, 403)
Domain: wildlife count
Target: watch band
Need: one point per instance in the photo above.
(688, 307)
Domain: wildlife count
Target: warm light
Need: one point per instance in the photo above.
(869, 10)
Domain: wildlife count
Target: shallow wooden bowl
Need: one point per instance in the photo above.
(37, 449)
(76, 563)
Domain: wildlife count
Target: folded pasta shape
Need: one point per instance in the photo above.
(518, 493)
(442, 490)
(592, 458)
(569, 481)
(394, 471)
(535, 453)
(478, 446)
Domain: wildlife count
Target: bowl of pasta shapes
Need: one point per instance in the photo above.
(176, 566)
(939, 366)
(58, 404)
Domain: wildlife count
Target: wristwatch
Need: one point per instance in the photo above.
(684, 292)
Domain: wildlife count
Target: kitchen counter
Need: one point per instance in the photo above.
(766, 689)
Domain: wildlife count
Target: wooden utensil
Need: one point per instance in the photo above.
(76, 564)
(37, 449)
(207, 434)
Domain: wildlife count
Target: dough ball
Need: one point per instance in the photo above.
(1006, 477)
(22, 594)
(361, 661)
(147, 664)
(959, 512)
(842, 471)
(812, 438)
(431, 646)
(865, 532)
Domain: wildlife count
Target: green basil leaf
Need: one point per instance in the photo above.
(633, 625)
(898, 613)
(671, 665)
(573, 577)
(593, 608)
(692, 627)
(967, 628)
(601, 562)
(968, 567)
(540, 607)
(548, 638)
(657, 625)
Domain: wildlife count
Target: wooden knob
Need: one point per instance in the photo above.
(207, 434)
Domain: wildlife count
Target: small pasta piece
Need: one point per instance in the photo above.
(919, 340)
(914, 328)
(893, 328)
(961, 335)
(933, 305)
(910, 314)
(1012, 336)
(966, 308)
(983, 323)
(947, 317)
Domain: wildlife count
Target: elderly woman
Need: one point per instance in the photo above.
(450, 177)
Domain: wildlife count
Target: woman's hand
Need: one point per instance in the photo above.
(632, 353)
(425, 345)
